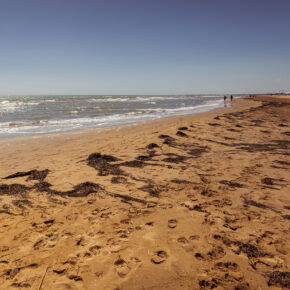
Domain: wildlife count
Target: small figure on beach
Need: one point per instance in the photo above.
(232, 98)
(225, 101)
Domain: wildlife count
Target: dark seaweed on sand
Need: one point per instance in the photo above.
(175, 159)
(197, 152)
(231, 183)
(151, 189)
(162, 136)
(103, 164)
(214, 124)
(282, 162)
(278, 278)
(144, 157)
(182, 128)
(250, 250)
(181, 181)
(22, 203)
(32, 174)
(152, 146)
(271, 181)
(181, 134)
(119, 179)
(133, 163)
(13, 189)
(255, 203)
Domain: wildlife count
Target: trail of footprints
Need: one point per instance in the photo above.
(222, 272)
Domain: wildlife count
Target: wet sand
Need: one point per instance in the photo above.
(192, 202)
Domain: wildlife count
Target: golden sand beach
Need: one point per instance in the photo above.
(191, 202)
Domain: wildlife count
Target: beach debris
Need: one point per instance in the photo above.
(243, 286)
(198, 151)
(181, 134)
(231, 183)
(272, 181)
(143, 157)
(12, 189)
(119, 179)
(256, 204)
(268, 181)
(152, 146)
(32, 174)
(7, 212)
(151, 188)
(214, 124)
(103, 164)
(250, 250)
(278, 278)
(225, 266)
(175, 159)
(210, 284)
(263, 147)
(133, 163)
(80, 190)
(283, 125)
(181, 181)
(162, 136)
(21, 203)
(49, 222)
(127, 198)
(21, 285)
(43, 277)
(194, 207)
(182, 128)
(282, 162)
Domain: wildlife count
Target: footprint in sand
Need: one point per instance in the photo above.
(194, 237)
(172, 223)
(226, 266)
(159, 257)
(182, 240)
(121, 267)
(151, 224)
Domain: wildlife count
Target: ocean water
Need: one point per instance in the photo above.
(30, 115)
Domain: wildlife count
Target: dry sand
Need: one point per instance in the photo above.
(181, 203)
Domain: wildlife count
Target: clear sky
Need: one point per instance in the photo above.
(144, 46)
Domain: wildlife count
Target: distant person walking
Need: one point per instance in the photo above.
(232, 98)
(225, 98)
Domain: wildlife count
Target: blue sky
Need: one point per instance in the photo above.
(144, 47)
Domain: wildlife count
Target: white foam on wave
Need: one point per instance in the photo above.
(59, 125)
(135, 99)
(12, 106)
(182, 109)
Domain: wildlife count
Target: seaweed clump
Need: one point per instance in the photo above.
(32, 174)
(103, 164)
(13, 189)
(278, 278)
(250, 250)
(231, 183)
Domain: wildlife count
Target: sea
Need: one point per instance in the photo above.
(31, 115)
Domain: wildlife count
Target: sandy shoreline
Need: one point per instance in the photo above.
(59, 141)
(187, 202)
